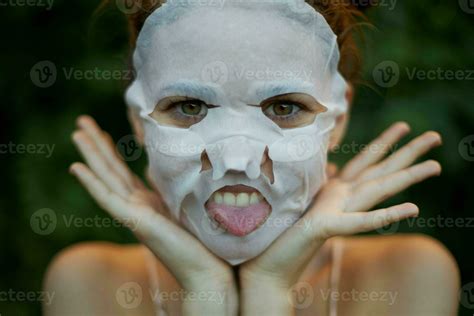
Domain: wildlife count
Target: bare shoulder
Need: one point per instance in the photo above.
(398, 275)
(89, 278)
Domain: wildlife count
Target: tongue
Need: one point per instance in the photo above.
(239, 221)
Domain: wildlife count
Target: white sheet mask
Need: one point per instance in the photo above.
(234, 55)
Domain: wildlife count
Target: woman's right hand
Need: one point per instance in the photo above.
(125, 197)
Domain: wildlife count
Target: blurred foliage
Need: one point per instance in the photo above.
(420, 34)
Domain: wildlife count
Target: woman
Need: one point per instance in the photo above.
(237, 104)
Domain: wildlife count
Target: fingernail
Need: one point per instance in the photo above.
(71, 170)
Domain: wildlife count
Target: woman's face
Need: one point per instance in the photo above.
(235, 127)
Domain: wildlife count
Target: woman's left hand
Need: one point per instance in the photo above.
(339, 209)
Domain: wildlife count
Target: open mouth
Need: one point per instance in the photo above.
(238, 209)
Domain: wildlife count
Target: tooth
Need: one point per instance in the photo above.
(254, 198)
(218, 198)
(260, 197)
(229, 199)
(242, 200)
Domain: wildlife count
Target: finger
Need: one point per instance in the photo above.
(119, 165)
(370, 193)
(354, 223)
(331, 170)
(381, 145)
(97, 163)
(164, 238)
(402, 158)
(107, 199)
(106, 146)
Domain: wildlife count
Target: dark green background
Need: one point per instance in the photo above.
(424, 34)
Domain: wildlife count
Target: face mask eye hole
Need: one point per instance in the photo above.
(281, 110)
(192, 108)
(182, 112)
(292, 110)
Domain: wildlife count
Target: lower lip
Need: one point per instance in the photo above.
(239, 221)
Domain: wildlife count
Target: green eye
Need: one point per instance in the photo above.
(193, 108)
(282, 109)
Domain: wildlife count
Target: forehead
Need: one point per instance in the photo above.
(246, 44)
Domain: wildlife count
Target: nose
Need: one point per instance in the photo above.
(236, 155)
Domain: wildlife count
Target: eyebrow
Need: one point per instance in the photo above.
(190, 88)
(272, 89)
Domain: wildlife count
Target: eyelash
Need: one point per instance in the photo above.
(288, 118)
(175, 111)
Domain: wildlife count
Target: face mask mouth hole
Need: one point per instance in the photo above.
(238, 209)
